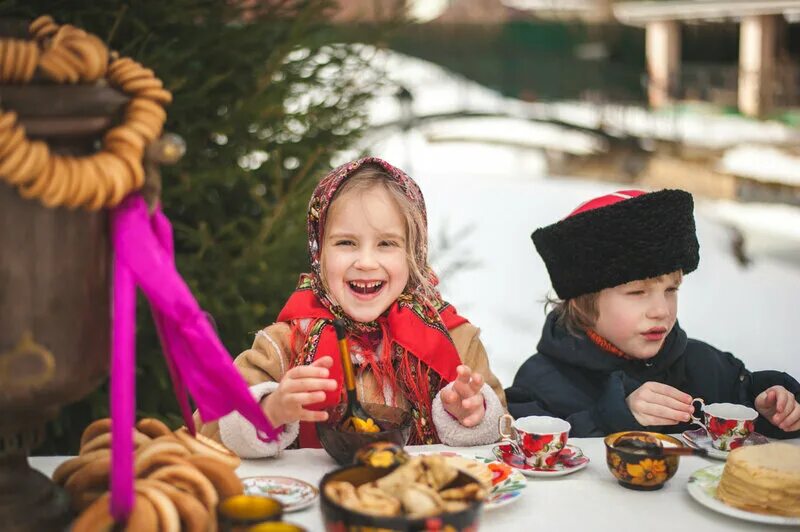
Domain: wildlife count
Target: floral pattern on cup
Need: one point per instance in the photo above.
(537, 439)
(728, 425)
(730, 433)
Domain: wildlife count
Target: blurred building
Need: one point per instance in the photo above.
(767, 73)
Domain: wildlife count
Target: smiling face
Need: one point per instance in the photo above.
(637, 317)
(364, 258)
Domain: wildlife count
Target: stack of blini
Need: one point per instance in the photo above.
(179, 479)
(763, 479)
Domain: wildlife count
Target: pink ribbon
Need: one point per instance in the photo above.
(198, 362)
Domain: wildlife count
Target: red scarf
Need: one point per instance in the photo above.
(605, 345)
(411, 348)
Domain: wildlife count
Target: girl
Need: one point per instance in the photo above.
(367, 240)
(612, 356)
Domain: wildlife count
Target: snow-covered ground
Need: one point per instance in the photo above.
(488, 197)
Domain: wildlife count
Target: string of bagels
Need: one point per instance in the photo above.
(66, 54)
(180, 479)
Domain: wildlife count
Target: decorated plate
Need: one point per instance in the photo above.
(699, 439)
(570, 460)
(507, 482)
(293, 493)
(703, 488)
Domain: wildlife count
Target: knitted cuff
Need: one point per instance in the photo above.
(453, 433)
(239, 435)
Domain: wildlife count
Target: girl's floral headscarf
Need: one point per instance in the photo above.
(417, 355)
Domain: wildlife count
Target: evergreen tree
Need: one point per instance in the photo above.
(264, 97)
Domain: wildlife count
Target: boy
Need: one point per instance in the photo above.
(612, 356)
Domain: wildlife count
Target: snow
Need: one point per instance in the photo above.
(763, 163)
(487, 198)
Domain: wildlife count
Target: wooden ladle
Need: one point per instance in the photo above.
(355, 418)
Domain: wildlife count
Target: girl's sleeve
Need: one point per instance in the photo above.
(262, 366)
(466, 338)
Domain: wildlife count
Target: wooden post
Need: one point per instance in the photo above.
(663, 50)
(756, 64)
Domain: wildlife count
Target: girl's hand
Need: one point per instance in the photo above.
(654, 403)
(464, 400)
(780, 407)
(300, 386)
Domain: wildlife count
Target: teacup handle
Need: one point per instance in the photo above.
(700, 408)
(509, 436)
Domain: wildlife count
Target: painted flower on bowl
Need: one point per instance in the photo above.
(647, 472)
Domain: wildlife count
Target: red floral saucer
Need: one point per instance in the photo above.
(570, 460)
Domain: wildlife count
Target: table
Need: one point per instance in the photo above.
(589, 499)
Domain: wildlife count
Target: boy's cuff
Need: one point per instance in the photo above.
(239, 435)
(453, 433)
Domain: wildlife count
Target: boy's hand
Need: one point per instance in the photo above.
(780, 407)
(465, 400)
(300, 386)
(654, 403)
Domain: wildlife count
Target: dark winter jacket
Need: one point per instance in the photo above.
(571, 377)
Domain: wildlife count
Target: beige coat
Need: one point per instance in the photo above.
(270, 357)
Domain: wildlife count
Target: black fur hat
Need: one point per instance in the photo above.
(621, 237)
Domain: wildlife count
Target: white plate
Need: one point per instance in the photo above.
(703, 488)
(507, 482)
(292, 493)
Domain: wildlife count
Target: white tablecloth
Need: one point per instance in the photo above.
(589, 499)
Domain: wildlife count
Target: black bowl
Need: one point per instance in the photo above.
(343, 445)
(338, 517)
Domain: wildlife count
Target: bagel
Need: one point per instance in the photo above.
(39, 23)
(81, 501)
(14, 160)
(144, 467)
(94, 429)
(67, 468)
(190, 480)
(162, 96)
(193, 515)
(168, 518)
(37, 187)
(225, 481)
(92, 476)
(153, 427)
(103, 441)
(204, 445)
(97, 517)
(8, 119)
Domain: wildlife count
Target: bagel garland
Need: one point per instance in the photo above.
(66, 54)
(180, 479)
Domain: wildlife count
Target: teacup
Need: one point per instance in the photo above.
(728, 425)
(538, 439)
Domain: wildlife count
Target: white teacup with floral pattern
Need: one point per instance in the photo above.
(728, 424)
(538, 439)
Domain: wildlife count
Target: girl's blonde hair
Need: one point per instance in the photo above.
(580, 313)
(370, 176)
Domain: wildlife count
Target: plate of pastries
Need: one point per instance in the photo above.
(759, 483)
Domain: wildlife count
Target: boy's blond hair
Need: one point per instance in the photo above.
(370, 176)
(580, 313)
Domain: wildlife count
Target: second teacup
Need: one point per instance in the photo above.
(728, 424)
(538, 439)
